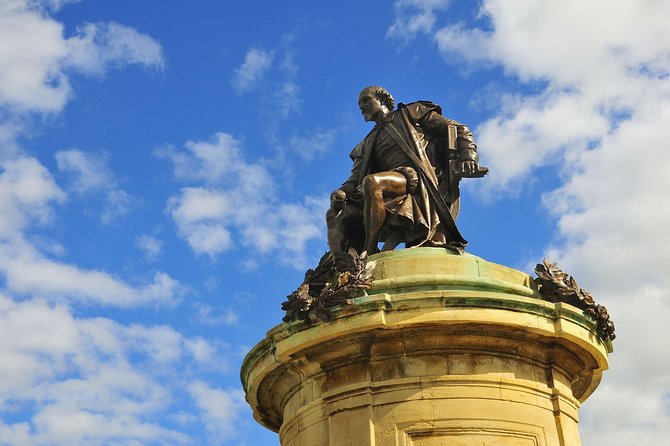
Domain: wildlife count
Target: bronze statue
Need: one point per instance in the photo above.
(403, 186)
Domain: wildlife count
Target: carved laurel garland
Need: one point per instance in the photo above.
(557, 286)
(338, 278)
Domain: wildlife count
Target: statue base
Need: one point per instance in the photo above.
(445, 349)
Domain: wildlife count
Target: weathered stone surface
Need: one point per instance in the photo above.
(445, 350)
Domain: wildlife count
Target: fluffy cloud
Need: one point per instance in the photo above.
(29, 272)
(66, 379)
(117, 203)
(89, 173)
(99, 46)
(282, 91)
(256, 63)
(597, 78)
(287, 98)
(202, 217)
(598, 112)
(96, 382)
(150, 246)
(37, 57)
(219, 409)
(208, 315)
(237, 204)
(26, 193)
(312, 144)
(414, 17)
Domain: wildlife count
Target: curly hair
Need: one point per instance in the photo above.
(382, 94)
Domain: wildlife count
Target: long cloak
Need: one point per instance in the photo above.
(420, 218)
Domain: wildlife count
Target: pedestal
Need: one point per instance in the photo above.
(446, 349)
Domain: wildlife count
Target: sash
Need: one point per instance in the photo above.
(448, 225)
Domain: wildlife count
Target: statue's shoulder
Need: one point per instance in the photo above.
(357, 152)
(419, 109)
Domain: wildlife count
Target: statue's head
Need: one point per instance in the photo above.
(374, 100)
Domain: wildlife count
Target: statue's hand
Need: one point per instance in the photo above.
(337, 199)
(469, 167)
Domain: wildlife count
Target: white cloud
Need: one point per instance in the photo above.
(53, 5)
(90, 174)
(26, 192)
(117, 204)
(238, 204)
(220, 409)
(93, 382)
(287, 98)
(150, 246)
(66, 379)
(27, 271)
(51, 330)
(413, 17)
(218, 160)
(100, 46)
(201, 350)
(37, 58)
(256, 64)
(10, 126)
(201, 216)
(31, 48)
(594, 76)
(312, 144)
(161, 343)
(88, 170)
(277, 80)
(599, 115)
(209, 316)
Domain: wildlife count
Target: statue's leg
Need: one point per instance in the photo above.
(375, 186)
(337, 241)
(344, 227)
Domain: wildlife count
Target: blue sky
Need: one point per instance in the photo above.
(165, 167)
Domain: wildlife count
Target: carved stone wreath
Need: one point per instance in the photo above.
(556, 286)
(339, 277)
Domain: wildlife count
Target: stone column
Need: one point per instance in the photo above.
(446, 349)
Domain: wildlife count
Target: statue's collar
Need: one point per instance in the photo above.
(387, 118)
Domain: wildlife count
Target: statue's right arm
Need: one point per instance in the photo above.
(353, 181)
(351, 184)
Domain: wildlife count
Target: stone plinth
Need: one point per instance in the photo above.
(445, 350)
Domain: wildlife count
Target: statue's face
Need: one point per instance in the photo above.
(370, 105)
